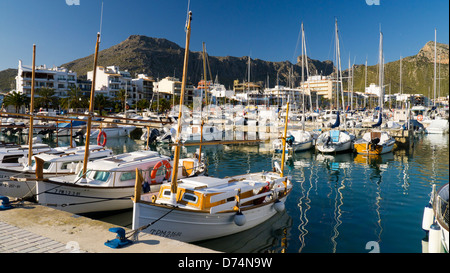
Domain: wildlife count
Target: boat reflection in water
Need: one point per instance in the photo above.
(268, 237)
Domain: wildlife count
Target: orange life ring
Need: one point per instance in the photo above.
(419, 117)
(99, 138)
(156, 167)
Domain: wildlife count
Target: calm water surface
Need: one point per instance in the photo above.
(339, 204)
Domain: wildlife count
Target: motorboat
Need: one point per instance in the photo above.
(437, 126)
(296, 141)
(334, 141)
(375, 142)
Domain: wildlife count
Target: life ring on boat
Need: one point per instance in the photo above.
(157, 166)
(99, 138)
(419, 117)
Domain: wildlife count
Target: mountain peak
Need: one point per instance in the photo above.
(427, 52)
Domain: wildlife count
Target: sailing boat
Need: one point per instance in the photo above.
(298, 140)
(336, 140)
(376, 142)
(200, 208)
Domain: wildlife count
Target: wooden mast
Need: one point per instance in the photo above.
(176, 158)
(284, 139)
(30, 132)
(91, 108)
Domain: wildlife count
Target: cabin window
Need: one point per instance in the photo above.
(65, 165)
(47, 165)
(11, 158)
(189, 197)
(101, 176)
(128, 176)
(166, 193)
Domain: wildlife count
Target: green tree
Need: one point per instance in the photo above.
(16, 99)
(143, 103)
(121, 97)
(100, 102)
(74, 99)
(46, 97)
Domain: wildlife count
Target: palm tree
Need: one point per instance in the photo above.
(100, 102)
(121, 97)
(46, 97)
(16, 99)
(74, 99)
(142, 104)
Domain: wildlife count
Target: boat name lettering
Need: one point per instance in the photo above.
(165, 233)
(8, 185)
(66, 192)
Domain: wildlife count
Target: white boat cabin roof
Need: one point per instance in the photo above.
(126, 161)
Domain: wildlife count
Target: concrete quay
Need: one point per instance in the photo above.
(31, 228)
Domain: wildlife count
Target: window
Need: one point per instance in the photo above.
(166, 193)
(101, 176)
(189, 197)
(128, 176)
(11, 158)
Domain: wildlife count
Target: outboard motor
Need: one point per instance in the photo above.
(153, 135)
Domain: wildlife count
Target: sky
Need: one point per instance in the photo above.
(65, 30)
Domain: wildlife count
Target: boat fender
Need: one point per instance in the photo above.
(239, 219)
(120, 240)
(279, 206)
(5, 204)
(156, 167)
(434, 239)
(428, 216)
(146, 187)
(99, 138)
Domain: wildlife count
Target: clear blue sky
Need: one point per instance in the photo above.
(263, 29)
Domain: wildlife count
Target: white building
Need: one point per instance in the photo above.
(59, 79)
(170, 86)
(110, 80)
(373, 89)
(142, 87)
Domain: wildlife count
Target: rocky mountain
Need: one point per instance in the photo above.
(158, 57)
(417, 73)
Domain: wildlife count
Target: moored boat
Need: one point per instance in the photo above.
(375, 142)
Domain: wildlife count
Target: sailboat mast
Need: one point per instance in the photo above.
(176, 158)
(30, 132)
(434, 84)
(303, 81)
(380, 76)
(91, 108)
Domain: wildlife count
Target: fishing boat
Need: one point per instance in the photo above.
(109, 182)
(375, 142)
(435, 222)
(20, 181)
(203, 207)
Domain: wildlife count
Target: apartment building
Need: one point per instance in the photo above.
(59, 79)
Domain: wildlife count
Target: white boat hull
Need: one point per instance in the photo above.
(14, 188)
(84, 199)
(193, 226)
(335, 147)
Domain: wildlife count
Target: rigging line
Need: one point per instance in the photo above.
(296, 46)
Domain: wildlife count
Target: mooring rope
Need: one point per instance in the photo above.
(135, 233)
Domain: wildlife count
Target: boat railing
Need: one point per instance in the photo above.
(441, 207)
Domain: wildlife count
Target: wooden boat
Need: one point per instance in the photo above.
(20, 181)
(199, 208)
(374, 143)
(109, 182)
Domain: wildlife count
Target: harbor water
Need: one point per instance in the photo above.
(344, 203)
